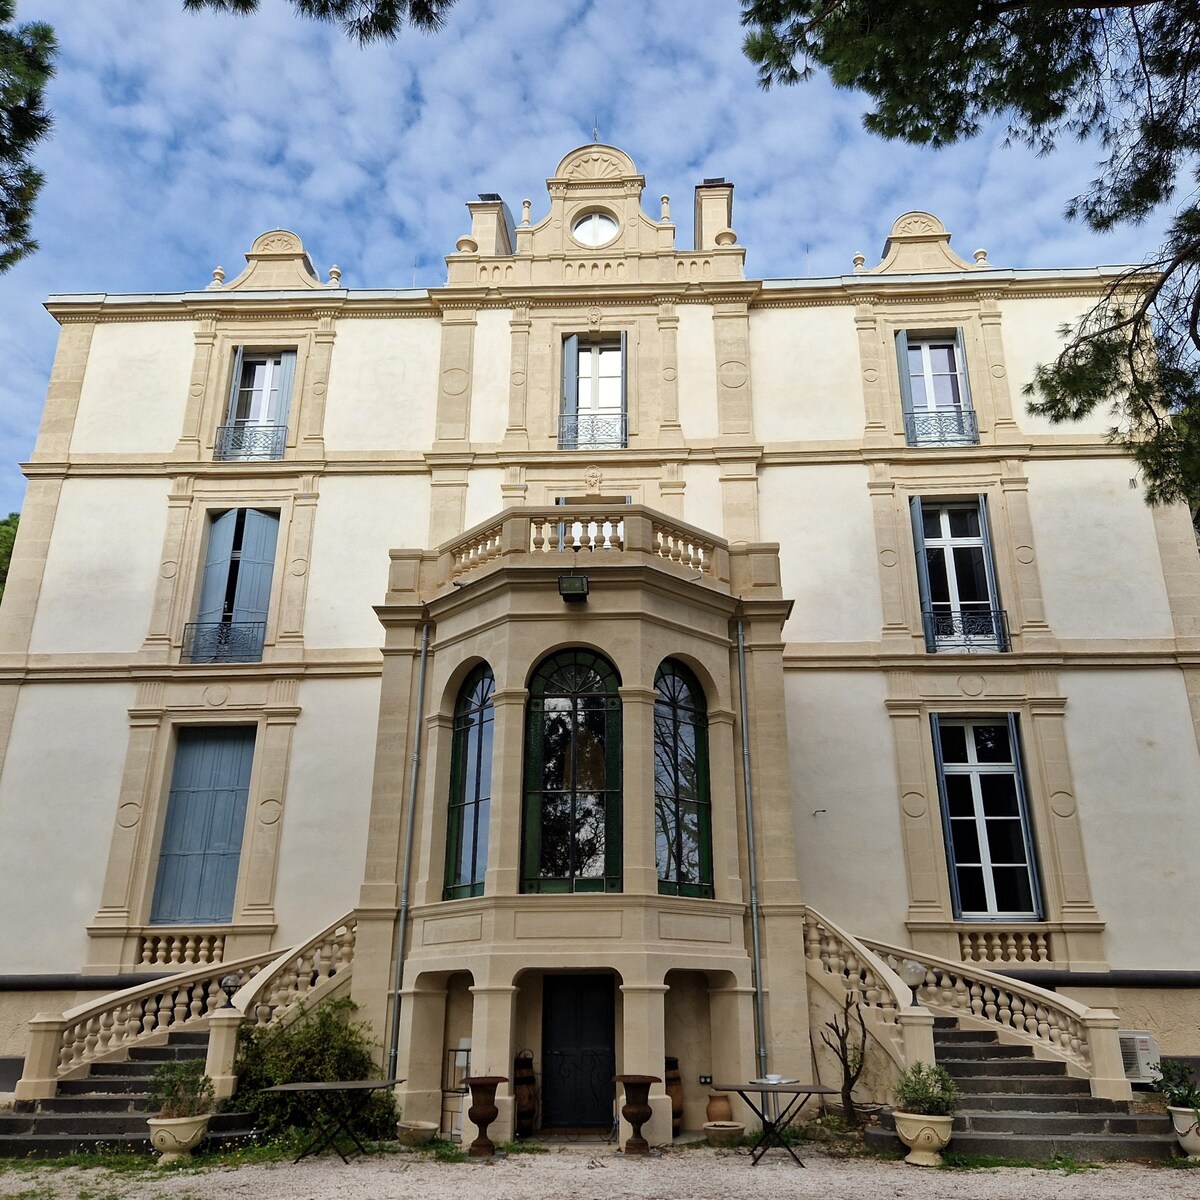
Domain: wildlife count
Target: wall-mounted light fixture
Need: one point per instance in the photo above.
(573, 588)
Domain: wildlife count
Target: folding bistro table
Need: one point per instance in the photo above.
(333, 1108)
(798, 1094)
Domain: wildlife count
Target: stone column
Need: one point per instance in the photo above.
(639, 872)
(508, 793)
(309, 403)
(492, 1016)
(296, 552)
(516, 435)
(454, 378)
(191, 441)
(1012, 530)
(994, 381)
(643, 1052)
(421, 1048)
(739, 494)
(897, 574)
(877, 376)
(670, 432)
(167, 617)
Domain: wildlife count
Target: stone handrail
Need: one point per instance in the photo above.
(301, 973)
(1053, 1025)
(62, 1046)
(832, 952)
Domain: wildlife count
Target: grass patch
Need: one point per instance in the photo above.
(952, 1160)
(1177, 1163)
(523, 1147)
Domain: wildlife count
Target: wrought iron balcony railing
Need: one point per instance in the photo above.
(967, 629)
(244, 441)
(223, 641)
(945, 427)
(592, 431)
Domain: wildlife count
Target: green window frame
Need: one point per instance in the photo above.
(572, 817)
(470, 786)
(682, 805)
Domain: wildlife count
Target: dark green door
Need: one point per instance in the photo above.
(578, 1051)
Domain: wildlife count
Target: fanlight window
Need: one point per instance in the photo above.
(572, 834)
(470, 786)
(682, 812)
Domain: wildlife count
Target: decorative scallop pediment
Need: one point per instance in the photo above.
(920, 242)
(275, 261)
(595, 162)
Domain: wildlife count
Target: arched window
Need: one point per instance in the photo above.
(682, 812)
(470, 786)
(573, 776)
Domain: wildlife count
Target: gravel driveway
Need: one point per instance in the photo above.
(579, 1174)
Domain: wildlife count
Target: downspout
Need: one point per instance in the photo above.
(760, 1015)
(410, 824)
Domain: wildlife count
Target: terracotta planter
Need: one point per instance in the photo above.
(1187, 1129)
(176, 1137)
(636, 1109)
(483, 1111)
(924, 1136)
(723, 1134)
(718, 1108)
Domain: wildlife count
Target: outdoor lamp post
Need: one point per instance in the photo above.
(913, 974)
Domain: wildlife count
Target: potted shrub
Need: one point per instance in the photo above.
(183, 1095)
(925, 1102)
(1183, 1103)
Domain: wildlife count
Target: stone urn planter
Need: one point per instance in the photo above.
(176, 1137)
(1187, 1129)
(415, 1133)
(483, 1111)
(925, 1137)
(636, 1109)
(723, 1134)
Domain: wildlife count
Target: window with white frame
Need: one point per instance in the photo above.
(235, 588)
(989, 842)
(934, 389)
(960, 604)
(260, 396)
(594, 410)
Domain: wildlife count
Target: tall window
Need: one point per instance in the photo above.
(682, 815)
(933, 385)
(235, 591)
(960, 607)
(988, 838)
(572, 839)
(470, 786)
(256, 423)
(594, 406)
(202, 835)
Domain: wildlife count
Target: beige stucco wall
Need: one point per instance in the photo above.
(1137, 773)
(483, 495)
(697, 371)
(851, 861)
(489, 388)
(102, 567)
(135, 388)
(17, 1007)
(702, 496)
(822, 519)
(807, 375)
(1030, 334)
(382, 385)
(327, 804)
(359, 520)
(1098, 559)
(58, 792)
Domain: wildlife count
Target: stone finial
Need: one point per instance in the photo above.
(335, 276)
(725, 237)
(467, 245)
(981, 258)
(218, 279)
(860, 263)
(665, 201)
(526, 208)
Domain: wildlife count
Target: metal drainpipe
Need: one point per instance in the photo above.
(406, 873)
(760, 1015)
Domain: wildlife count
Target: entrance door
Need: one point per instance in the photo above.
(578, 1051)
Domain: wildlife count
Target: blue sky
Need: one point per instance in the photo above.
(179, 137)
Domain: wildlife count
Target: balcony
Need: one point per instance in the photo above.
(223, 641)
(966, 631)
(592, 431)
(254, 442)
(944, 427)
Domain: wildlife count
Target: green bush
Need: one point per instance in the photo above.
(1176, 1083)
(181, 1089)
(323, 1045)
(926, 1090)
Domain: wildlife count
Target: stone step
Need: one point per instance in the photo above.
(1033, 1147)
(56, 1145)
(1031, 1102)
(944, 1036)
(127, 1102)
(102, 1124)
(1010, 1085)
(170, 1052)
(1015, 1067)
(973, 1051)
(143, 1068)
(107, 1085)
(1060, 1124)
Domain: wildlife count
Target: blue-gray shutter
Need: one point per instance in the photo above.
(252, 596)
(234, 386)
(624, 388)
(918, 528)
(215, 581)
(947, 834)
(202, 835)
(570, 399)
(1035, 884)
(960, 361)
(989, 565)
(278, 414)
(906, 398)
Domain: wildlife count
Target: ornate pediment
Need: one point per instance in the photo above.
(920, 242)
(595, 162)
(276, 261)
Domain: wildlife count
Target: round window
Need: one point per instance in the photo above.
(594, 229)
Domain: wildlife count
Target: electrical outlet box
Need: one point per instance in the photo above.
(706, 1081)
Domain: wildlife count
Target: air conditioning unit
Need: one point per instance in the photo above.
(1139, 1054)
